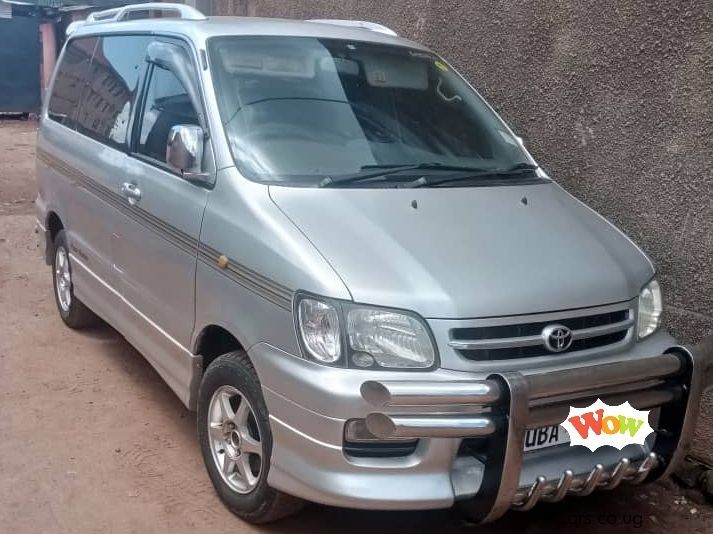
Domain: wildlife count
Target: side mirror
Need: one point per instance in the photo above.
(184, 152)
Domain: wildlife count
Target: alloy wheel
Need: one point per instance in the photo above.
(234, 439)
(63, 279)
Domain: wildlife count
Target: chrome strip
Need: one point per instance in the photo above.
(529, 341)
(420, 393)
(596, 331)
(129, 304)
(539, 317)
(424, 426)
(501, 343)
(306, 436)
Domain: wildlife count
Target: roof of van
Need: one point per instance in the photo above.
(200, 30)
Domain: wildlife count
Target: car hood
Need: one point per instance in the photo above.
(468, 252)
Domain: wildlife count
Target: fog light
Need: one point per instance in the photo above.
(360, 443)
(355, 431)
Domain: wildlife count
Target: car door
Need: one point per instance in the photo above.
(158, 241)
(62, 152)
(95, 157)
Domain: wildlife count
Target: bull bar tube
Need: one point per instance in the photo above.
(505, 405)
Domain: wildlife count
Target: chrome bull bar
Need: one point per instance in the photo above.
(503, 406)
(526, 497)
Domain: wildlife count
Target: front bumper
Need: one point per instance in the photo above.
(451, 409)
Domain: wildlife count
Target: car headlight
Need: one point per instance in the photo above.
(319, 327)
(388, 339)
(650, 309)
(351, 335)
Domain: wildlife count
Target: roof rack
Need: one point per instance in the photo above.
(373, 26)
(118, 14)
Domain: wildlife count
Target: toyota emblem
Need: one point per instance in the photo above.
(557, 337)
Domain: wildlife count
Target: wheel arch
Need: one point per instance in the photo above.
(214, 340)
(53, 225)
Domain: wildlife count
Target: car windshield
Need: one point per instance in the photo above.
(302, 110)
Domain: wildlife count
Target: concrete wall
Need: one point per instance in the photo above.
(615, 100)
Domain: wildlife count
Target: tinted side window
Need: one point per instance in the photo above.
(70, 80)
(113, 84)
(167, 104)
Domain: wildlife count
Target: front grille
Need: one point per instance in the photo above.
(523, 340)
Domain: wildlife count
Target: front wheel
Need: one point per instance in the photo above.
(236, 441)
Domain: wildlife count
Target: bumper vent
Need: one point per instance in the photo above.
(525, 340)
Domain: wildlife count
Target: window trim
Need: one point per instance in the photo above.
(138, 112)
(129, 148)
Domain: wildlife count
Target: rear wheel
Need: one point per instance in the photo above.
(72, 311)
(236, 441)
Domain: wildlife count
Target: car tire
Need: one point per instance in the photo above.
(236, 441)
(72, 310)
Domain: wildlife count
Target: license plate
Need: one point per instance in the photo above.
(546, 436)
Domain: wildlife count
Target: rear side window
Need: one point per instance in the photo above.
(167, 105)
(112, 88)
(70, 80)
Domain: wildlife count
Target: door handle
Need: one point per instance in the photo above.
(131, 192)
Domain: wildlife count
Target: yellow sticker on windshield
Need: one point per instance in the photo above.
(441, 65)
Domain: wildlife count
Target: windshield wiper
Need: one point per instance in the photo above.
(367, 172)
(370, 172)
(430, 181)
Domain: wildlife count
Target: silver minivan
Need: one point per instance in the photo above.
(335, 252)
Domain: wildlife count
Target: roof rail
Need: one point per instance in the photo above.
(373, 26)
(118, 14)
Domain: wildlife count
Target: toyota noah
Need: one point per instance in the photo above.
(337, 254)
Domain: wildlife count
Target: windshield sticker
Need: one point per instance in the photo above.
(599, 424)
(441, 65)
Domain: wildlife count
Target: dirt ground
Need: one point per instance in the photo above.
(91, 439)
(17, 166)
